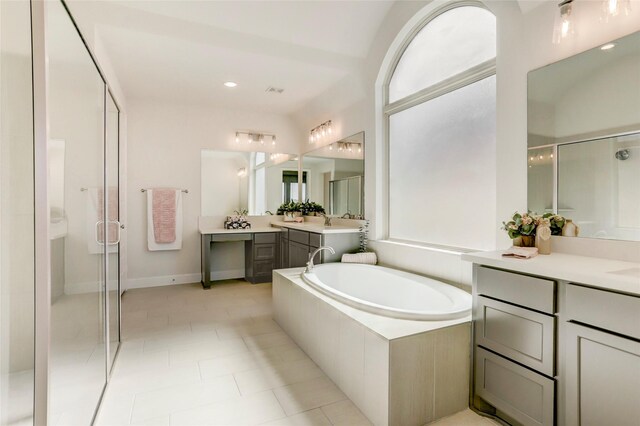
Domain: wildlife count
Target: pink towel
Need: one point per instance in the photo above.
(112, 214)
(164, 215)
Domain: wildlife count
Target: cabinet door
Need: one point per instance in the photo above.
(603, 378)
(284, 253)
(298, 254)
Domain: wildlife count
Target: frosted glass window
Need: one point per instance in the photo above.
(442, 169)
(449, 44)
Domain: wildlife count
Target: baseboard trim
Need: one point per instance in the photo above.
(164, 280)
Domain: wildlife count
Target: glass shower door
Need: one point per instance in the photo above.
(112, 195)
(76, 111)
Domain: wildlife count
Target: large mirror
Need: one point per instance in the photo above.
(257, 182)
(584, 140)
(333, 177)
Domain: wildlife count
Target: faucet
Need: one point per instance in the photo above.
(327, 219)
(269, 212)
(347, 215)
(310, 265)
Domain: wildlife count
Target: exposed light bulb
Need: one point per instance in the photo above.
(564, 22)
(540, 157)
(330, 130)
(613, 8)
(261, 139)
(273, 140)
(323, 131)
(551, 156)
(237, 138)
(250, 137)
(330, 147)
(531, 158)
(359, 149)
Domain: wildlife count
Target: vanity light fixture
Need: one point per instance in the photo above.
(242, 172)
(230, 84)
(608, 46)
(613, 8)
(320, 132)
(253, 136)
(564, 26)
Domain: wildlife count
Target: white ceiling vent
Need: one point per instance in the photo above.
(272, 89)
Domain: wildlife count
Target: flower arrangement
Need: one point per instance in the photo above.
(238, 221)
(522, 226)
(290, 207)
(311, 208)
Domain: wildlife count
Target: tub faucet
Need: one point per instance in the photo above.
(347, 215)
(310, 265)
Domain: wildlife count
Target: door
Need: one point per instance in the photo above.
(112, 197)
(603, 378)
(76, 114)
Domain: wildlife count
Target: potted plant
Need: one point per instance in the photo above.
(290, 210)
(521, 229)
(311, 208)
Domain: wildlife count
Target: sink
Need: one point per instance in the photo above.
(630, 272)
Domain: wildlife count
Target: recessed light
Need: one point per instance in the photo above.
(608, 46)
(230, 84)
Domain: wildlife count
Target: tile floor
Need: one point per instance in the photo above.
(216, 357)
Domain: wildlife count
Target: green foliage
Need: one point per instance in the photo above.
(526, 224)
(305, 208)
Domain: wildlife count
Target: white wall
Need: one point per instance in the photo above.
(164, 146)
(524, 43)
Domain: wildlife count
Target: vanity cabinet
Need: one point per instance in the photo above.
(284, 248)
(261, 257)
(301, 244)
(514, 345)
(602, 357)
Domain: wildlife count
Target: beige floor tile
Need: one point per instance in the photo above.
(165, 401)
(242, 411)
(277, 375)
(264, 341)
(345, 413)
(465, 418)
(209, 348)
(307, 395)
(308, 418)
(235, 363)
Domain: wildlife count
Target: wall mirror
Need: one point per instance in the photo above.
(333, 176)
(254, 181)
(584, 139)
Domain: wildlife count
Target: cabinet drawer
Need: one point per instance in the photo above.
(526, 396)
(315, 240)
(264, 251)
(263, 267)
(265, 238)
(534, 293)
(616, 312)
(301, 237)
(525, 336)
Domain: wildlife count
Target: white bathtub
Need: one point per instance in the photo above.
(389, 292)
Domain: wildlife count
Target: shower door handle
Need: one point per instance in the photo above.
(119, 226)
(97, 236)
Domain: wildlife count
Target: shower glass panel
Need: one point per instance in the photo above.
(598, 186)
(16, 216)
(113, 226)
(76, 112)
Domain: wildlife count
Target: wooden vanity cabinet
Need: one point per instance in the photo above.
(514, 345)
(300, 244)
(261, 256)
(602, 358)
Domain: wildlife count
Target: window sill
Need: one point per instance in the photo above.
(458, 251)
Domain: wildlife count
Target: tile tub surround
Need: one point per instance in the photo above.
(396, 371)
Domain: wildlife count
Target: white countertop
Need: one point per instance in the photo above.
(257, 230)
(607, 274)
(316, 227)
(389, 328)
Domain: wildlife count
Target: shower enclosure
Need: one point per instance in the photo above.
(59, 220)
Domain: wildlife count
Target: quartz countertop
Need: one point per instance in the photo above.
(613, 275)
(257, 230)
(316, 228)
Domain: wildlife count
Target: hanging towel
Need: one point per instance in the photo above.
(369, 258)
(164, 219)
(95, 220)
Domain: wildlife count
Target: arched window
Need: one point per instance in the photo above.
(440, 114)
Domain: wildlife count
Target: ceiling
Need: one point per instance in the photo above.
(183, 51)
